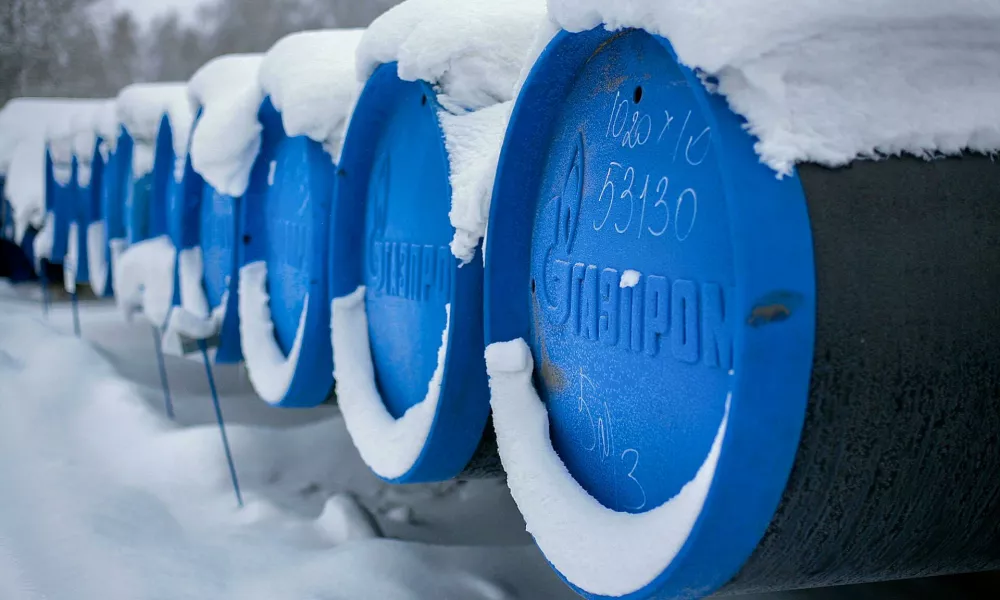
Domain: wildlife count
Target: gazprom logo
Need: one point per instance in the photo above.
(646, 313)
(403, 269)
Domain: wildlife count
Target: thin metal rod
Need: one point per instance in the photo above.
(167, 400)
(222, 425)
(76, 314)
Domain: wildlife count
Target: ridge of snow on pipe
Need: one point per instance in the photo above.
(583, 290)
(106, 129)
(24, 127)
(442, 75)
(142, 108)
(637, 372)
(84, 138)
(306, 88)
(771, 62)
(202, 222)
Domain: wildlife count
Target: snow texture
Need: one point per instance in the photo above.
(192, 320)
(71, 261)
(45, 240)
(25, 186)
(25, 125)
(629, 278)
(226, 139)
(90, 128)
(310, 79)
(62, 133)
(473, 141)
(829, 82)
(97, 259)
(24, 119)
(81, 136)
(107, 127)
(144, 279)
(141, 107)
(270, 370)
(122, 504)
(473, 53)
(389, 446)
(600, 550)
(345, 520)
(116, 248)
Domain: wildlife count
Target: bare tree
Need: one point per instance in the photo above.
(35, 41)
(55, 48)
(123, 62)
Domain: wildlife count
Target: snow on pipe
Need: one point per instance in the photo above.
(269, 125)
(407, 227)
(284, 315)
(384, 185)
(201, 224)
(692, 360)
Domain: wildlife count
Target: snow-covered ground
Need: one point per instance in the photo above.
(103, 497)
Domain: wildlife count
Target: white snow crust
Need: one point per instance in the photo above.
(629, 278)
(45, 240)
(61, 138)
(97, 260)
(25, 186)
(119, 503)
(71, 261)
(269, 369)
(226, 139)
(141, 107)
(389, 446)
(144, 279)
(310, 79)
(598, 549)
(85, 129)
(29, 118)
(192, 320)
(473, 141)
(829, 82)
(107, 127)
(25, 124)
(473, 52)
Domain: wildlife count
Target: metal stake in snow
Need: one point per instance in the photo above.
(167, 401)
(76, 314)
(222, 424)
(45, 287)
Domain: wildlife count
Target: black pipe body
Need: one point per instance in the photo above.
(898, 471)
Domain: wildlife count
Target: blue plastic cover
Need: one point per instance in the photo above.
(110, 202)
(284, 223)
(163, 178)
(137, 197)
(81, 218)
(6, 213)
(655, 267)
(88, 210)
(116, 179)
(49, 186)
(64, 202)
(394, 187)
(183, 205)
(198, 216)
